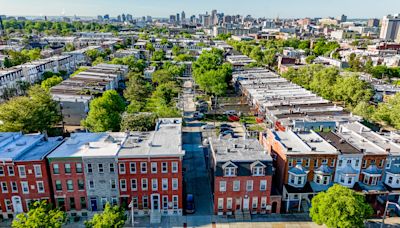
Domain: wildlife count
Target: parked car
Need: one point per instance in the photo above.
(230, 112)
(225, 126)
(198, 115)
(227, 132)
(190, 207)
(207, 126)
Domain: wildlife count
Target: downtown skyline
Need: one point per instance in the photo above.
(257, 8)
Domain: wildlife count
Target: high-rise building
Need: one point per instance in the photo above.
(214, 18)
(178, 16)
(129, 17)
(119, 18)
(373, 22)
(172, 19)
(100, 18)
(183, 16)
(123, 17)
(343, 18)
(390, 27)
(206, 20)
(107, 17)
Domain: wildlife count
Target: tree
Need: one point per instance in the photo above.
(97, 61)
(111, 217)
(340, 207)
(137, 89)
(105, 112)
(40, 215)
(158, 55)
(50, 82)
(162, 76)
(138, 122)
(36, 112)
(79, 70)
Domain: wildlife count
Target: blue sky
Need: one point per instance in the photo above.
(163, 8)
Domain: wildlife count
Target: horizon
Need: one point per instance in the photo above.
(355, 9)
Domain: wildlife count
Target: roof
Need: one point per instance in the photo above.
(103, 144)
(303, 142)
(323, 169)
(373, 169)
(14, 146)
(299, 170)
(165, 140)
(340, 144)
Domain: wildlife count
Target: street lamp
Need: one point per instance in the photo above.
(386, 207)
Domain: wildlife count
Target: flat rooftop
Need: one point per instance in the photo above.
(340, 144)
(105, 144)
(165, 140)
(238, 150)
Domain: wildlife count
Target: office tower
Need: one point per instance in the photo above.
(119, 18)
(183, 16)
(123, 17)
(149, 19)
(129, 17)
(343, 18)
(100, 18)
(214, 18)
(206, 20)
(172, 19)
(373, 22)
(107, 17)
(390, 27)
(178, 17)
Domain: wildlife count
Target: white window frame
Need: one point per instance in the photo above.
(230, 171)
(164, 167)
(263, 202)
(38, 183)
(69, 167)
(37, 170)
(4, 187)
(254, 202)
(100, 167)
(236, 185)
(78, 166)
(111, 168)
(144, 180)
(175, 201)
(22, 171)
(229, 203)
(165, 202)
(10, 168)
(14, 184)
(174, 167)
(220, 203)
(89, 168)
(154, 184)
(26, 184)
(164, 184)
(2, 173)
(154, 167)
(121, 168)
(122, 183)
(113, 182)
(134, 184)
(175, 184)
(132, 167)
(143, 167)
(263, 183)
(222, 186)
(249, 185)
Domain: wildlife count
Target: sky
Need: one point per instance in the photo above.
(164, 8)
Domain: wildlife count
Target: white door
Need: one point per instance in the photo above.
(155, 202)
(17, 204)
(246, 201)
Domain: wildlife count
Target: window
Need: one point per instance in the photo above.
(315, 162)
(222, 186)
(228, 203)
(38, 170)
(25, 187)
(83, 202)
(8, 205)
(254, 202)
(58, 185)
(122, 168)
(307, 162)
(135, 201)
(263, 202)
(164, 167)
(40, 186)
(112, 169)
(340, 163)
(230, 171)
(67, 168)
(10, 171)
(1, 170)
(364, 163)
(14, 187)
(132, 166)
(236, 185)
(174, 167)
(145, 202)
(133, 185)
(390, 180)
(174, 183)
(249, 185)
(291, 179)
(153, 167)
(91, 184)
(4, 188)
(388, 161)
(122, 183)
(114, 201)
(300, 180)
(143, 167)
(324, 161)
(56, 169)
(326, 180)
(103, 202)
(349, 180)
(154, 184)
(165, 202)
(144, 184)
(342, 179)
(357, 162)
(81, 185)
(89, 168)
(165, 184)
(70, 185)
(78, 167)
(100, 168)
(299, 161)
(113, 184)
(175, 201)
(220, 203)
(333, 162)
(263, 185)
(21, 171)
(290, 162)
(72, 203)
(258, 171)
(381, 163)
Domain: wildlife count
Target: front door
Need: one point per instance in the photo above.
(238, 203)
(17, 204)
(155, 202)
(246, 203)
(93, 204)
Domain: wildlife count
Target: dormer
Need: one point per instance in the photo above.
(372, 175)
(230, 169)
(257, 168)
(298, 176)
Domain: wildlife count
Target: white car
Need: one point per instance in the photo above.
(230, 112)
(207, 126)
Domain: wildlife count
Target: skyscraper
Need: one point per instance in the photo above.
(172, 19)
(214, 18)
(373, 22)
(390, 27)
(178, 17)
(183, 16)
(343, 18)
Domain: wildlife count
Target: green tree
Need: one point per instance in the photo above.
(137, 89)
(36, 112)
(40, 215)
(138, 122)
(162, 76)
(105, 112)
(340, 207)
(79, 70)
(50, 82)
(111, 217)
(158, 55)
(97, 61)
